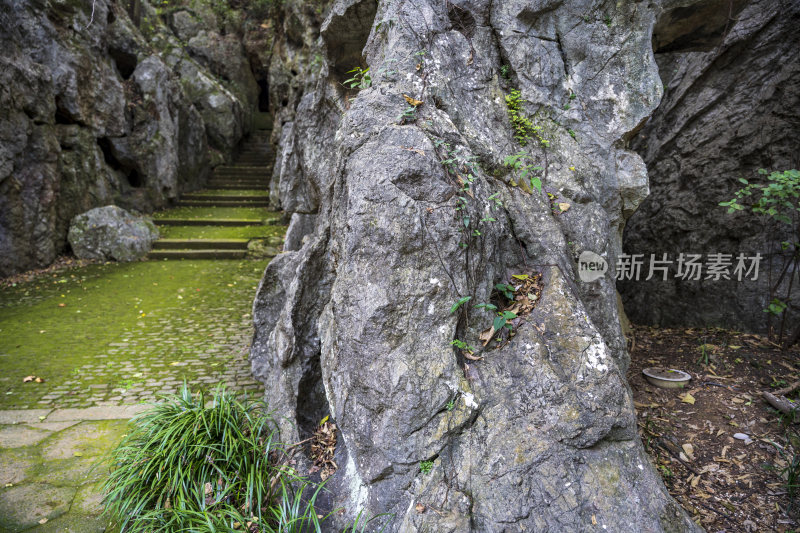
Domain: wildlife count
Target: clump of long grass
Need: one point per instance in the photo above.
(190, 464)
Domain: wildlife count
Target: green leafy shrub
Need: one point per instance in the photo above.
(186, 466)
(777, 200)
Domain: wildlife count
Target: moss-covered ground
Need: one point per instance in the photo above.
(82, 350)
(122, 333)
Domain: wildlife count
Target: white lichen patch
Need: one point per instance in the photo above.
(469, 400)
(596, 354)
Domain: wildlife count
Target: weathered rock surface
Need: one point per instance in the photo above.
(732, 106)
(540, 434)
(111, 233)
(126, 110)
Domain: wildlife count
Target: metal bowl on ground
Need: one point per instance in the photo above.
(666, 378)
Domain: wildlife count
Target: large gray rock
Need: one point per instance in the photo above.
(732, 106)
(540, 434)
(111, 233)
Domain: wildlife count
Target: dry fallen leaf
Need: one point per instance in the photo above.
(412, 101)
(43, 521)
(688, 398)
(563, 206)
(689, 449)
(420, 508)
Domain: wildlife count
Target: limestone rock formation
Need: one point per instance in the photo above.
(731, 106)
(111, 233)
(109, 102)
(413, 211)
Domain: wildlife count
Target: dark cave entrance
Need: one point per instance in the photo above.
(132, 176)
(263, 94)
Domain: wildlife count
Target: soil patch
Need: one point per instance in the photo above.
(722, 450)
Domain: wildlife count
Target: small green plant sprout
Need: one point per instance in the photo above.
(607, 20)
(361, 78)
(572, 133)
(451, 404)
(503, 320)
(666, 473)
(459, 303)
(506, 289)
(521, 162)
(776, 307)
(495, 197)
(425, 467)
(505, 72)
(461, 345)
(489, 307)
(572, 95)
(408, 115)
(523, 126)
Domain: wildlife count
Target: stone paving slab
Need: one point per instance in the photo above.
(52, 469)
(110, 412)
(16, 416)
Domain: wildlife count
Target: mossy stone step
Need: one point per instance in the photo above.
(206, 222)
(245, 187)
(197, 254)
(234, 195)
(238, 185)
(200, 244)
(238, 180)
(244, 167)
(254, 202)
(261, 166)
(244, 171)
(240, 175)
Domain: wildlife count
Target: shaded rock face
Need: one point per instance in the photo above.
(732, 106)
(126, 110)
(355, 321)
(111, 233)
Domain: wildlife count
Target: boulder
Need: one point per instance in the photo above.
(372, 315)
(111, 233)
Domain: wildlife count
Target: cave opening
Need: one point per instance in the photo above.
(62, 115)
(263, 94)
(132, 176)
(125, 62)
(346, 36)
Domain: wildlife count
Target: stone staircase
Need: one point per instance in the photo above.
(219, 222)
